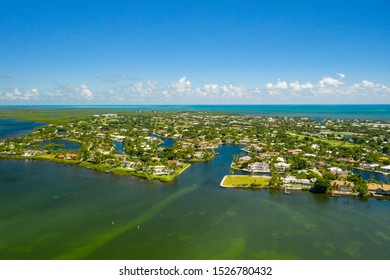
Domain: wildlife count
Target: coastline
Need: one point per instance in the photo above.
(102, 167)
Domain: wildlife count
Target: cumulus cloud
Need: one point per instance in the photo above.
(297, 86)
(182, 86)
(341, 75)
(331, 90)
(280, 85)
(16, 94)
(368, 86)
(325, 90)
(86, 93)
(329, 81)
(226, 90)
(147, 89)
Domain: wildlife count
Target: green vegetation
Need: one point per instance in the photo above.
(321, 186)
(293, 151)
(360, 186)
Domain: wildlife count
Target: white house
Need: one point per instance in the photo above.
(258, 167)
(281, 166)
(385, 168)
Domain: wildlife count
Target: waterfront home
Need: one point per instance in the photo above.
(8, 153)
(256, 148)
(160, 170)
(342, 187)
(294, 180)
(117, 137)
(70, 156)
(338, 171)
(198, 155)
(379, 189)
(371, 166)
(129, 165)
(245, 141)
(385, 168)
(31, 153)
(258, 167)
(244, 159)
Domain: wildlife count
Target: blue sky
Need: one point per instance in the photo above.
(194, 52)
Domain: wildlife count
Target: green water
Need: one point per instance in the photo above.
(56, 211)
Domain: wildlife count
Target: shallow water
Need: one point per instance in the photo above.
(51, 211)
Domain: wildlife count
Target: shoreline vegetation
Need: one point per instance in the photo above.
(277, 152)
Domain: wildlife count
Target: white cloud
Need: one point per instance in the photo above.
(279, 85)
(297, 86)
(182, 86)
(86, 93)
(367, 84)
(147, 89)
(370, 87)
(226, 90)
(326, 90)
(329, 81)
(341, 75)
(331, 90)
(16, 94)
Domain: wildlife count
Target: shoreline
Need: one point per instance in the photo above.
(102, 168)
(374, 171)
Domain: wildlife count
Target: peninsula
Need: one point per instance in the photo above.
(277, 152)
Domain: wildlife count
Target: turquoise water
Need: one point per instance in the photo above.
(369, 112)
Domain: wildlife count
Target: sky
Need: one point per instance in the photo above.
(194, 52)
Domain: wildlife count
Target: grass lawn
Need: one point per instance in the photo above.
(328, 141)
(168, 178)
(244, 181)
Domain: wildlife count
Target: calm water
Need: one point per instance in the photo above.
(377, 176)
(166, 142)
(10, 128)
(63, 145)
(51, 211)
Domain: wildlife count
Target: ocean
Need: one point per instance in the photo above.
(361, 112)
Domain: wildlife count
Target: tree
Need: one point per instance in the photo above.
(275, 181)
(361, 188)
(321, 186)
(298, 164)
(356, 178)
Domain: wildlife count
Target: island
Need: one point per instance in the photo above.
(295, 153)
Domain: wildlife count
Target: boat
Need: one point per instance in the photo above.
(286, 191)
(335, 195)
